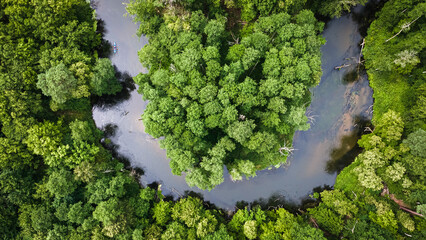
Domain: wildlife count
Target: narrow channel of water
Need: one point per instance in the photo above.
(340, 106)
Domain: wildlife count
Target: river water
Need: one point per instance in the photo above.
(341, 104)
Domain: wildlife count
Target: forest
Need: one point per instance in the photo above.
(228, 85)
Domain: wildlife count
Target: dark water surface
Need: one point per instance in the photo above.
(339, 109)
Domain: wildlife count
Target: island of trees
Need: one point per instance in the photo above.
(222, 92)
(57, 181)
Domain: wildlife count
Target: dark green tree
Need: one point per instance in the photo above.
(103, 80)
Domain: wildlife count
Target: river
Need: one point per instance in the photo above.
(341, 105)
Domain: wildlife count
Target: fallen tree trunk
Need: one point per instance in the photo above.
(341, 66)
(411, 211)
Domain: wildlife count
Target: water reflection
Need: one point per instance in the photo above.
(337, 102)
(348, 149)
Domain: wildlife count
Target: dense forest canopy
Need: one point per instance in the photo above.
(395, 57)
(57, 181)
(221, 95)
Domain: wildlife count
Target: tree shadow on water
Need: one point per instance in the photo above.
(105, 47)
(348, 149)
(275, 201)
(109, 131)
(108, 101)
(309, 202)
(350, 76)
(367, 15)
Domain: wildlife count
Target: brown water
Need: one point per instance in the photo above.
(340, 107)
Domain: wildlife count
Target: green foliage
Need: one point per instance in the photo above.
(327, 219)
(61, 183)
(382, 161)
(41, 218)
(44, 138)
(384, 216)
(335, 8)
(58, 82)
(162, 212)
(174, 230)
(416, 142)
(394, 63)
(57, 182)
(250, 10)
(82, 131)
(79, 212)
(13, 154)
(200, 91)
(336, 199)
(103, 80)
(188, 210)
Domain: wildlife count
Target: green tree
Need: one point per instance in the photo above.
(103, 80)
(188, 210)
(44, 138)
(162, 212)
(61, 183)
(327, 219)
(58, 82)
(241, 131)
(335, 8)
(250, 229)
(79, 212)
(82, 131)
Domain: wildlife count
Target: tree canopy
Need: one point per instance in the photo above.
(216, 94)
(57, 181)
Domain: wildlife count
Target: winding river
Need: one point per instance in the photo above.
(341, 105)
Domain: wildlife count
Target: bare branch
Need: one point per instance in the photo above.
(288, 150)
(311, 118)
(341, 66)
(403, 27)
(411, 211)
(368, 129)
(354, 226)
(236, 40)
(314, 222)
(360, 53)
(355, 195)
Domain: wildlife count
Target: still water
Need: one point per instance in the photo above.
(341, 104)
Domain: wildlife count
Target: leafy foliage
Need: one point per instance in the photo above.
(395, 63)
(58, 182)
(335, 8)
(103, 80)
(217, 105)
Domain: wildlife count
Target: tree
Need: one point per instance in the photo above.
(41, 219)
(58, 82)
(44, 138)
(111, 214)
(61, 183)
(241, 131)
(13, 154)
(250, 229)
(200, 90)
(335, 8)
(327, 219)
(337, 200)
(416, 142)
(82, 131)
(103, 80)
(188, 210)
(79, 212)
(162, 211)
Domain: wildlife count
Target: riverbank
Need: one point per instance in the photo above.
(317, 149)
